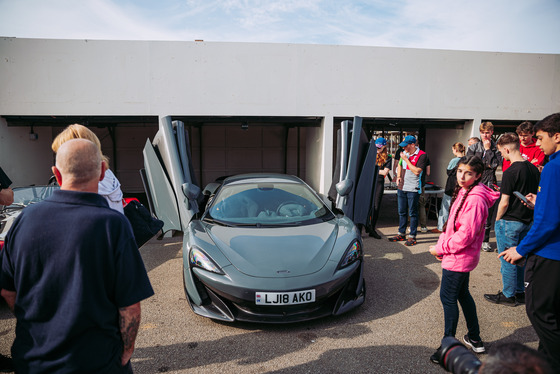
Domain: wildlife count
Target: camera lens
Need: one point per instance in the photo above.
(456, 358)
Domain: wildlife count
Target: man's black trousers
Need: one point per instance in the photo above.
(542, 298)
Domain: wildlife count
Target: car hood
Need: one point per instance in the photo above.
(276, 252)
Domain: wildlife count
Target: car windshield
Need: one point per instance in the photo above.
(267, 204)
(23, 196)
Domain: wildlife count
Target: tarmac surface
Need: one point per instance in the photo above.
(395, 331)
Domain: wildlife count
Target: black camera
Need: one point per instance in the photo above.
(456, 358)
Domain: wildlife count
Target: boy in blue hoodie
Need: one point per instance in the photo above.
(541, 246)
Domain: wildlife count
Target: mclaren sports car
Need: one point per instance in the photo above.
(256, 247)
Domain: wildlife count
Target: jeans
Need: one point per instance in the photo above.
(509, 234)
(490, 220)
(443, 211)
(408, 205)
(422, 216)
(455, 287)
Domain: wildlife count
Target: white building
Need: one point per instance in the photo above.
(290, 98)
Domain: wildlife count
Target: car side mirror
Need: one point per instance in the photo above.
(191, 191)
(344, 187)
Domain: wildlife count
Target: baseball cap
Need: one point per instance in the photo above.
(380, 142)
(409, 139)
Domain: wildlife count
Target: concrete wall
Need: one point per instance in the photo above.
(84, 77)
(25, 161)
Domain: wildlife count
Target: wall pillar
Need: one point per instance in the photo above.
(475, 127)
(327, 129)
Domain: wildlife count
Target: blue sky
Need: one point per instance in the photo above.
(483, 25)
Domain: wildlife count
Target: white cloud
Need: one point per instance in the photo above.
(497, 25)
(86, 19)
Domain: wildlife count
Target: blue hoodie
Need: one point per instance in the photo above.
(544, 237)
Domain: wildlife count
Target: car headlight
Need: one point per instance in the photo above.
(352, 254)
(200, 259)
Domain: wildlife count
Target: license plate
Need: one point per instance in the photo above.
(285, 298)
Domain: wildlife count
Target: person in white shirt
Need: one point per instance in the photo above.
(109, 187)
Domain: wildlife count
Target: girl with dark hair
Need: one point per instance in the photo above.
(458, 249)
(383, 161)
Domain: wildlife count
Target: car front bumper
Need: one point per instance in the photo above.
(226, 301)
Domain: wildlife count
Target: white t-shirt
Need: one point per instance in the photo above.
(110, 189)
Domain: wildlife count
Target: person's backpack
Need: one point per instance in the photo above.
(451, 181)
(144, 225)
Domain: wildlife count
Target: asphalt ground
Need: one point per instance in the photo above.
(395, 331)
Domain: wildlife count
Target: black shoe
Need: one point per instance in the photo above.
(436, 356)
(6, 364)
(374, 234)
(476, 346)
(500, 298)
(398, 238)
(520, 297)
(410, 242)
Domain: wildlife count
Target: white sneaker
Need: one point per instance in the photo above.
(423, 229)
(486, 247)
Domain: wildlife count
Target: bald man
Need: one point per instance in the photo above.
(73, 276)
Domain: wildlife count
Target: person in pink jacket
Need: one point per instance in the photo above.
(458, 249)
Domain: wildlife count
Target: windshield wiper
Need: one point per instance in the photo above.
(245, 224)
(215, 221)
(16, 205)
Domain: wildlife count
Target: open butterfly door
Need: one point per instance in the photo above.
(169, 178)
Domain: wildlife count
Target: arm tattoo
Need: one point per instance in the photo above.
(129, 324)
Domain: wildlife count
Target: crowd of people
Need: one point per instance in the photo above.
(524, 211)
(68, 316)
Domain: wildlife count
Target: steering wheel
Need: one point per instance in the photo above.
(284, 204)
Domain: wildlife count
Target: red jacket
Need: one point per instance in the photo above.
(530, 153)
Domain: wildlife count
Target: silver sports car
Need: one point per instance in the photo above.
(23, 196)
(256, 247)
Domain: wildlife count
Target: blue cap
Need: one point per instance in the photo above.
(380, 142)
(409, 139)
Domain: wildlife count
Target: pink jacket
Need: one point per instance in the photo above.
(460, 245)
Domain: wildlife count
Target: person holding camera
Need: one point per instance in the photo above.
(458, 249)
(504, 358)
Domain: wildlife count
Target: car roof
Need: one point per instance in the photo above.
(262, 178)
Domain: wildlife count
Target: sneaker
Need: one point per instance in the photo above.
(423, 229)
(6, 364)
(477, 347)
(436, 356)
(486, 247)
(398, 238)
(500, 298)
(520, 297)
(374, 234)
(436, 231)
(410, 242)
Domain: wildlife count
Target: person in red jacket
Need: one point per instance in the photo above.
(527, 146)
